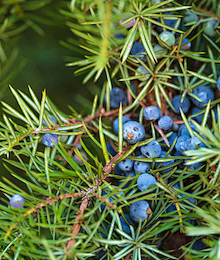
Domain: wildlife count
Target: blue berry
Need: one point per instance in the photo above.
(139, 210)
(187, 46)
(48, 140)
(133, 132)
(118, 170)
(115, 123)
(152, 113)
(190, 17)
(130, 174)
(199, 245)
(184, 131)
(198, 118)
(170, 139)
(170, 21)
(218, 83)
(153, 149)
(118, 96)
(126, 165)
(52, 118)
(160, 51)
(194, 166)
(110, 199)
(167, 37)
(165, 164)
(17, 201)
(181, 143)
(192, 142)
(138, 50)
(124, 224)
(110, 149)
(209, 30)
(141, 167)
(205, 94)
(103, 234)
(185, 105)
(180, 165)
(165, 123)
(145, 180)
(143, 73)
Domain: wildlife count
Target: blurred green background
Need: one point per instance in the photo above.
(46, 69)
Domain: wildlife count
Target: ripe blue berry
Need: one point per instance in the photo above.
(141, 167)
(124, 224)
(126, 165)
(153, 149)
(160, 51)
(138, 50)
(117, 96)
(130, 174)
(205, 94)
(165, 123)
(167, 37)
(170, 139)
(110, 149)
(115, 123)
(198, 118)
(48, 140)
(17, 201)
(165, 164)
(139, 210)
(52, 118)
(170, 21)
(145, 180)
(187, 46)
(172, 207)
(142, 73)
(181, 143)
(133, 132)
(218, 83)
(184, 131)
(192, 142)
(185, 105)
(195, 166)
(152, 113)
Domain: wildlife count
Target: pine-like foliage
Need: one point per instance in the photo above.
(75, 202)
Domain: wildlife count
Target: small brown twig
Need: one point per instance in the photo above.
(76, 226)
